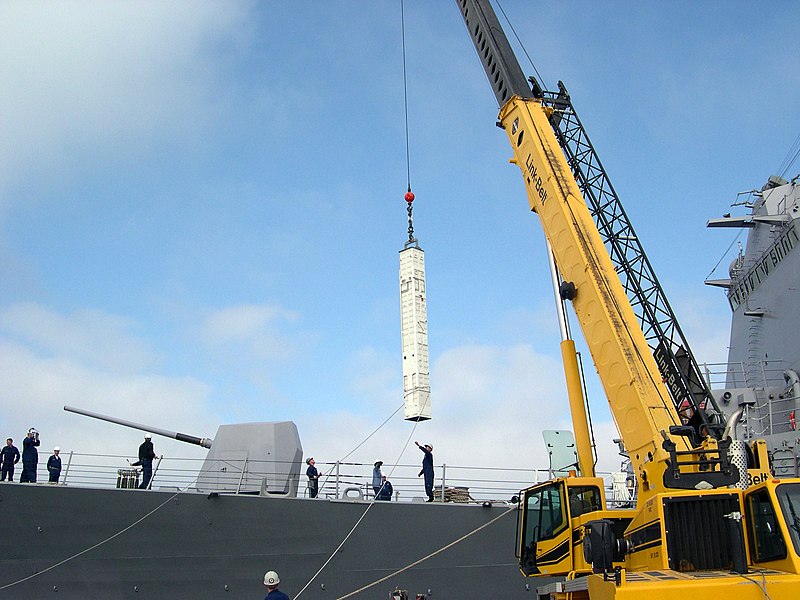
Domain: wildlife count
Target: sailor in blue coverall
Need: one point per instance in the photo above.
(385, 491)
(30, 456)
(146, 456)
(427, 469)
(313, 478)
(9, 456)
(54, 465)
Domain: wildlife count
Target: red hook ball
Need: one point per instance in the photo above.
(409, 197)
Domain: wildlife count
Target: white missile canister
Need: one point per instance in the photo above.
(414, 333)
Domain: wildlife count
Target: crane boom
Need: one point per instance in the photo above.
(679, 369)
(686, 532)
(641, 378)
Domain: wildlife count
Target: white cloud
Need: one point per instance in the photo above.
(88, 336)
(243, 323)
(489, 406)
(36, 389)
(252, 333)
(375, 377)
(490, 403)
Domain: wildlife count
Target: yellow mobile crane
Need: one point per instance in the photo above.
(709, 518)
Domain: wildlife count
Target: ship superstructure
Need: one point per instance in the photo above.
(763, 290)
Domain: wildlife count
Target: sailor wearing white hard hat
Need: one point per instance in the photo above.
(271, 580)
(54, 466)
(313, 477)
(377, 477)
(427, 468)
(146, 455)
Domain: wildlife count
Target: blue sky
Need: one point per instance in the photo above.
(201, 208)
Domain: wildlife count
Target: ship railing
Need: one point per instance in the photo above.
(775, 401)
(764, 374)
(453, 483)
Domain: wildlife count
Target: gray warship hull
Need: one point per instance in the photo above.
(73, 542)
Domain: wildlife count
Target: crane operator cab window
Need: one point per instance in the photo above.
(763, 517)
(583, 499)
(789, 501)
(763, 531)
(544, 518)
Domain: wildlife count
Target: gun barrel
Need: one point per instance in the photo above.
(181, 437)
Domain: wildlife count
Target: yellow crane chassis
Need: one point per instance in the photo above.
(665, 584)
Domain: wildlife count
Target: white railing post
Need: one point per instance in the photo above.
(155, 470)
(241, 477)
(66, 471)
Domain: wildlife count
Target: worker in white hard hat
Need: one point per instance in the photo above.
(313, 478)
(427, 469)
(146, 455)
(54, 465)
(271, 580)
(377, 475)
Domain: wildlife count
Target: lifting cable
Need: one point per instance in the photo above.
(724, 254)
(519, 41)
(409, 197)
(424, 558)
(791, 157)
(366, 510)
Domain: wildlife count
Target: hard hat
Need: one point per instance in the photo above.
(56, 449)
(32, 430)
(309, 459)
(147, 436)
(271, 578)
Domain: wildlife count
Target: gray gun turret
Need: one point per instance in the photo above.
(250, 458)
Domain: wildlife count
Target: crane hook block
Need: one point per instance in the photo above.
(409, 196)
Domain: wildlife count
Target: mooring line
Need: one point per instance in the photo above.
(424, 558)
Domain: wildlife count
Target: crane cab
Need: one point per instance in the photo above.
(772, 523)
(556, 516)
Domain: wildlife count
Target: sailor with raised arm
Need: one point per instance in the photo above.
(427, 469)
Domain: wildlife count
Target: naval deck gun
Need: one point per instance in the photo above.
(181, 437)
(252, 458)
